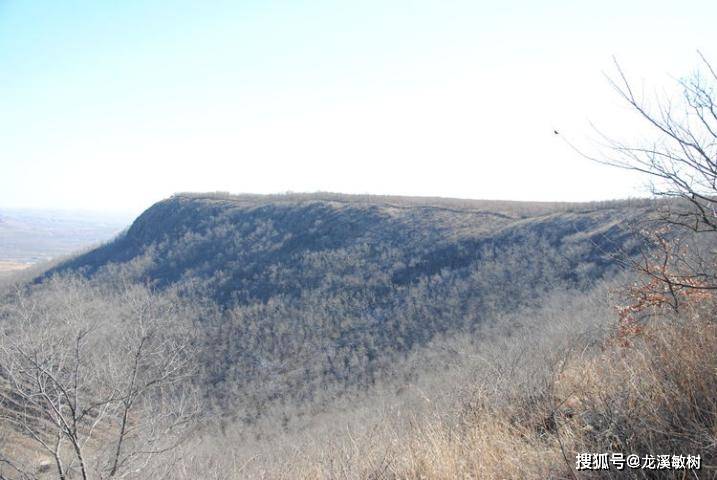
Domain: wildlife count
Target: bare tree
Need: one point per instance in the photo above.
(96, 380)
(680, 159)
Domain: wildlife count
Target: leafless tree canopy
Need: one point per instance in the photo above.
(682, 158)
(96, 382)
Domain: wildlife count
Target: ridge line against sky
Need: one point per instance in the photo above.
(115, 105)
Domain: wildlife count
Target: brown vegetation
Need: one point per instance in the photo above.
(654, 397)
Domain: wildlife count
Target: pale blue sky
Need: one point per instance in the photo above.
(117, 104)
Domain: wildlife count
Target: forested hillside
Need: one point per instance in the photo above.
(332, 336)
(310, 293)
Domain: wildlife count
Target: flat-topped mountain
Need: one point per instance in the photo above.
(337, 286)
(250, 247)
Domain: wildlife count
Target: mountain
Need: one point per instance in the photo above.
(321, 291)
(245, 249)
(327, 336)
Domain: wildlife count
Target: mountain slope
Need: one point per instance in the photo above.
(328, 291)
(252, 248)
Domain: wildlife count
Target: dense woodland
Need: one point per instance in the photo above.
(309, 294)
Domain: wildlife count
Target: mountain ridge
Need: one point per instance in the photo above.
(297, 224)
(357, 284)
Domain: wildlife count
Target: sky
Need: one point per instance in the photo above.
(112, 106)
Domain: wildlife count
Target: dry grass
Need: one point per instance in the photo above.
(652, 390)
(655, 396)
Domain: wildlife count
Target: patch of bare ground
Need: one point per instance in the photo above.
(8, 268)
